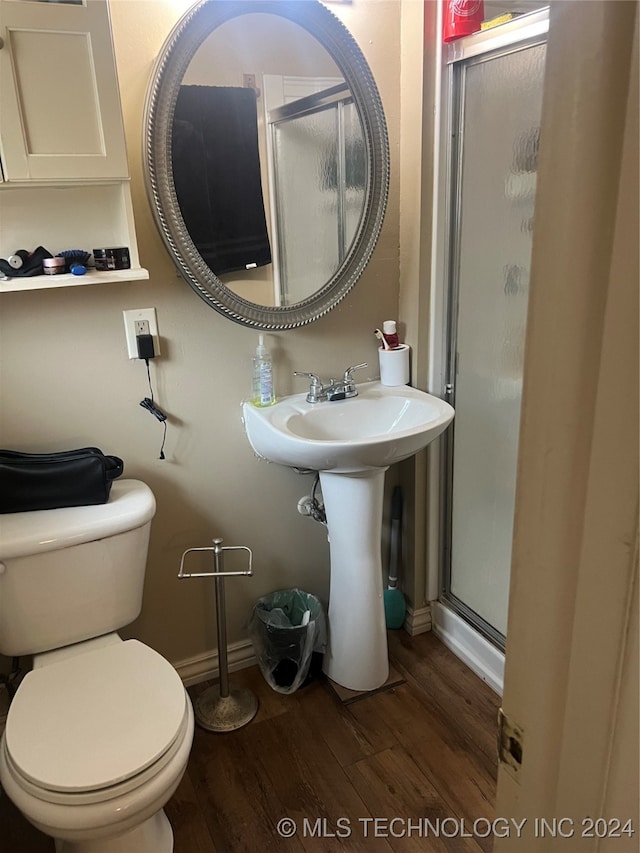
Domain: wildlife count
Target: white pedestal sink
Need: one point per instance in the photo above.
(351, 443)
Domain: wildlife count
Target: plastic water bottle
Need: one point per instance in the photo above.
(262, 391)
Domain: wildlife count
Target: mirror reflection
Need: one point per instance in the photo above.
(269, 160)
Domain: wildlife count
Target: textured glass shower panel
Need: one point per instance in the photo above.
(355, 172)
(500, 113)
(306, 167)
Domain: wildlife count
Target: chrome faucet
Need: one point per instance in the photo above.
(341, 390)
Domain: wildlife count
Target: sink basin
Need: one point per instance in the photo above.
(380, 426)
(351, 443)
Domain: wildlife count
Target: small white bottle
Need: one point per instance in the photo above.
(262, 392)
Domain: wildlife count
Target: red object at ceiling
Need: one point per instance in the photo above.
(461, 18)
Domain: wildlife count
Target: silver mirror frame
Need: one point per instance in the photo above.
(178, 50)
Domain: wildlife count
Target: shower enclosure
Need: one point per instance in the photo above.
(493, 86)
(317, 182)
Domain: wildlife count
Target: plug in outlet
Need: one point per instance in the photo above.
(140, 321)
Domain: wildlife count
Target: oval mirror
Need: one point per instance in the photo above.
(266, 158)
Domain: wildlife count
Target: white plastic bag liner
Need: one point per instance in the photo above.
(287, 627)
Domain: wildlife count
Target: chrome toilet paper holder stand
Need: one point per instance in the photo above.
(219, 709)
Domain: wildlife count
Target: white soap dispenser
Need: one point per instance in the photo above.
(262, 393)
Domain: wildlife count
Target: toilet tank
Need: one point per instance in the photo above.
(70, 574)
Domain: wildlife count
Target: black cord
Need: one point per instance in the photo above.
(150, 406)
(317, 509)
(146, 361)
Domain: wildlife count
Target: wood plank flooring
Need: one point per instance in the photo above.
(351, 777)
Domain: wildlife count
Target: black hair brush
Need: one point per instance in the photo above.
(76, 260)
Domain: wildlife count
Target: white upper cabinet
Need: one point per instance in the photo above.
(64, 177)
(60, 114)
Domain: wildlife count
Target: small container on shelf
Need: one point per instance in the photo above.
(54, 266)
(112, 259)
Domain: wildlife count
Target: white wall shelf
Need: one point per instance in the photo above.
(47, 282)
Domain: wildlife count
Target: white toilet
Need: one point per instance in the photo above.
(99, 732)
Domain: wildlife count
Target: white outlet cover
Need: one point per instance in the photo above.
(130, 318)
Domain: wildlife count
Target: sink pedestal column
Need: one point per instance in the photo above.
(357, 655)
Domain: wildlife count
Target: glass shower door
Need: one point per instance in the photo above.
(498, 101)
(319, 181)
(307, 199)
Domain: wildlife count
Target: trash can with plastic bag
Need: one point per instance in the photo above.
(288, 630)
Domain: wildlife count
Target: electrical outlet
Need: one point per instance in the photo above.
(140, 321)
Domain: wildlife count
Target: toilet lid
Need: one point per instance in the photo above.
(96, 719)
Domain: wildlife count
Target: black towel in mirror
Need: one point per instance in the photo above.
(216, 173)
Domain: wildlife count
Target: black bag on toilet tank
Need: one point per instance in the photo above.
(31, 481)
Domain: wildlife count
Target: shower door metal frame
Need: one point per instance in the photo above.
(522, 33)
(336, 97)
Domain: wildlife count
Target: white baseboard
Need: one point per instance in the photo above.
(470, 646)
(417, 621)
(203, 667)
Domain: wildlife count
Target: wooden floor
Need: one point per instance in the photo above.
(425, 749)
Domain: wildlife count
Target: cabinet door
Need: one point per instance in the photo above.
(60, 114)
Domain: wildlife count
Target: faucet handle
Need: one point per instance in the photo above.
(315, 389)
(315, 379)
(348, 374)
